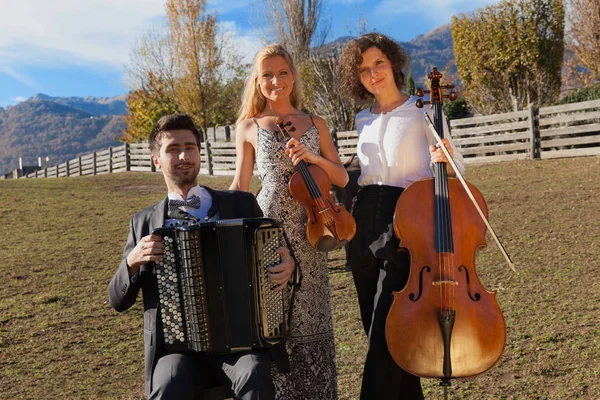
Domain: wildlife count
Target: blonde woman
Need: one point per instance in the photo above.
(273, 91)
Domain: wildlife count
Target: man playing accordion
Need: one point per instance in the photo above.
(175, 146)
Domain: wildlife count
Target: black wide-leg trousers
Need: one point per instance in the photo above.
(378, 269)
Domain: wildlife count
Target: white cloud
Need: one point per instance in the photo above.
(24, 80)
(19, 99)
(75, 31)
(247, 44)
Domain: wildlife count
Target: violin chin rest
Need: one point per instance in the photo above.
(329, 243)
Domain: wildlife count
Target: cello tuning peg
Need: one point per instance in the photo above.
(452, 96)
(288, 123)
(292, 129)
(420, 92)
(420, 103)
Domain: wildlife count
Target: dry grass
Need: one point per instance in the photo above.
(63, 240)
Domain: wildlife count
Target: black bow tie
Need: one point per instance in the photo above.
(193, 202)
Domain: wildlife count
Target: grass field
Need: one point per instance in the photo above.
(63, 238)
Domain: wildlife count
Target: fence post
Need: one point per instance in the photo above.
(94, 163)
(334, 137)
(110, 151)
(79, 165)
(534, 131)
(127, 157)
(228, 133)
(209, 157)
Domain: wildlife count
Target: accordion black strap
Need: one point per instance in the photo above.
(278, 353)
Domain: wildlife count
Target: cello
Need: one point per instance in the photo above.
(329, 226)
(443, 324)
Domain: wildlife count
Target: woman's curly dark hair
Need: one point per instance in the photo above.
(351, 58)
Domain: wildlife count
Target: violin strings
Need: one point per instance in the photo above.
(311, 184)
(314, 192)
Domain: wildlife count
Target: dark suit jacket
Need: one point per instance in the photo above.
(123, 293)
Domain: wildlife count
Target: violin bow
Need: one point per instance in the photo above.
(462, 181)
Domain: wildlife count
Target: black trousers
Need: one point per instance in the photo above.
(379, 269)
(181, 376)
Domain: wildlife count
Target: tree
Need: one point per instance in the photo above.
(188, 66)
(293, 23)
(146, 106)
(199, 58)
(511, 54)
(322, 91)
(584, 94)
(410, 83)
(583, 41)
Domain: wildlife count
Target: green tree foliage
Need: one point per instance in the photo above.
(146, 106)
(585, 94)
(511, 54)
(456, 109)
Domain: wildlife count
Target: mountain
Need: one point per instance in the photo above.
(43, 128)
(97, 106)
(433, 49)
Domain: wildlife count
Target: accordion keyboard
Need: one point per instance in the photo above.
(272, 303)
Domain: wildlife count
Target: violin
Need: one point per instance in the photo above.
(329, 226)
(443, 324)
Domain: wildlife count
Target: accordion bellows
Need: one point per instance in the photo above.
(213, 289)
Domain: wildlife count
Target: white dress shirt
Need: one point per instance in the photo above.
(393, 147)
(200, 213)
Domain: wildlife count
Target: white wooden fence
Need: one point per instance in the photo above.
(570, 130)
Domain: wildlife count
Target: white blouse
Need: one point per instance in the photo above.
(393, 147)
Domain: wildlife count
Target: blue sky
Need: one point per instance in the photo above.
(81, 47)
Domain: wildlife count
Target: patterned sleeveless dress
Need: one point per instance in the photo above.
(310, 345)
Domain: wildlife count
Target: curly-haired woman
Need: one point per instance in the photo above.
(394, 149)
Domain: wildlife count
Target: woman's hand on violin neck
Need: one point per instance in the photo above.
(438, 156)
(298, 151)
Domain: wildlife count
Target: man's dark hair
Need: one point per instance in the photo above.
(171, 122)
(351, 58)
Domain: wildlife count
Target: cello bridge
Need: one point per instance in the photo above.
(440, 283)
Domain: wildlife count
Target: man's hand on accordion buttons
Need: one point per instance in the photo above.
(281, 273)
(149, 248)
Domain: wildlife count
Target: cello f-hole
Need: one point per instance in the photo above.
(412, 296)
(474, 296)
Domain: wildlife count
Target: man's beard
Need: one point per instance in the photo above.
(186, 178)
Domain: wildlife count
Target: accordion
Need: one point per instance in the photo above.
(214, 294)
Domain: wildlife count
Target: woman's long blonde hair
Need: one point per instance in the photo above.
(253, 101)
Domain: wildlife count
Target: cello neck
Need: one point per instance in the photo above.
(444, 240)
